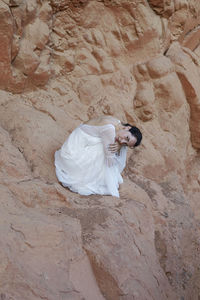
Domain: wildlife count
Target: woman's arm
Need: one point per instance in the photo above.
(115, 147)
(109, 144)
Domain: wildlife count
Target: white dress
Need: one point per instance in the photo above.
(86, 166)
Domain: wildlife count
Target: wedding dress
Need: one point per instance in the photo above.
(85, 165)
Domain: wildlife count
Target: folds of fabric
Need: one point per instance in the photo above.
(82, 162)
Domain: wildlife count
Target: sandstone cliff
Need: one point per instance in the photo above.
(62, 62)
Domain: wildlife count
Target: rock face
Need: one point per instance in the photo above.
(62, 62)
(24, 35)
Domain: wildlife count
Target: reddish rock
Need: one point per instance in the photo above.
(74, 60)
(6, 33)
(187, 68)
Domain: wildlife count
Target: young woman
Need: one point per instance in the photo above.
(94, 155)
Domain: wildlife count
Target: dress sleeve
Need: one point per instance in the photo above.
(121, 158)
(108, 137)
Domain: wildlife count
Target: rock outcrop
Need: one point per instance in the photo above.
(62, 62)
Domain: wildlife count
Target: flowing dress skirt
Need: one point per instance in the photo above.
(81, 166)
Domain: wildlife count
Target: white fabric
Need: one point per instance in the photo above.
(86, 166)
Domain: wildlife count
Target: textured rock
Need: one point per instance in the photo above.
(26, 61)
(74, 60)
(23, 39)
(6, 32)
(187, 67)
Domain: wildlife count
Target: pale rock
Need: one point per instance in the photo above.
(95, 11)
(141, 73)
(65, 60)
(17, 82)
(58, 42)
(59, 31)
(26, 112)
(61, 89)
(188, 72)
(27, 33)
(114, 44)
(122, 79)
(129, 35)
(181, 4)
(45, 12)
(38, 33)
(164, 8)
(90, 90)
(43, 71)
(103, 106)
(192, 39)
(72, 43)
(15, 46)
(98, 38)
(104, 61)
(13, 2)
(183, 20)
(88, 36)
(34, 193)
(27, 60)
(87, 61)
(31, 8)
(107, 66)
(144, 101)
(13, 165)
(106, 262)
(148, 20)
(124, 17)
(169, 85)
(47, 272)
(159, 67)
(154, 168)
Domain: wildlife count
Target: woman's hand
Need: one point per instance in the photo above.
(114, 148)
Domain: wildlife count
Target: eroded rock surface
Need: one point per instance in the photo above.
(62, 62)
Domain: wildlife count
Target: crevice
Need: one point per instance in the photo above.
(37, 295)
(29, 245)
(192, 30)
(144, 288)
(196, 47)
(18, 148)
(25, 180)
(137, 246)
(17, 230)
(43, 111)
(106, 282)
(156, 280)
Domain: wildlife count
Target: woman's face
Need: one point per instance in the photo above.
(125, 137)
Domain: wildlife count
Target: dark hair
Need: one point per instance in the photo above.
(136, 132)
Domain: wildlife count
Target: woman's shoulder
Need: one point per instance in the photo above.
(103, 120)
(111, 120)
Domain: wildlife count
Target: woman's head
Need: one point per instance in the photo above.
(129, 136)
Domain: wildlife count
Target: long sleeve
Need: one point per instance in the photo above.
(115, 162)
(121, 158)
(107, 135)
